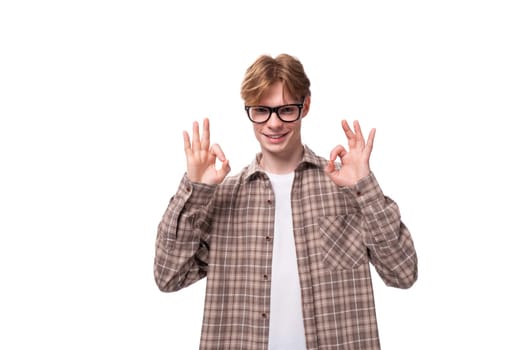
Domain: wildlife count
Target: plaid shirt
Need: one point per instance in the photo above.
(225, 233)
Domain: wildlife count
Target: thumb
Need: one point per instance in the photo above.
(224, 169)
(330, 169)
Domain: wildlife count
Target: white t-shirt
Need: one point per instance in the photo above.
(286, 315)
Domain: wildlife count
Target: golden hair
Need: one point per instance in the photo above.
(266, 71)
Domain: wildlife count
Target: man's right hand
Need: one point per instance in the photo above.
(201, 157)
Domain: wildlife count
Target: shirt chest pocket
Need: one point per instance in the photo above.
(341, 244)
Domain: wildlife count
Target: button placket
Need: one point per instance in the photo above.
(268, 239)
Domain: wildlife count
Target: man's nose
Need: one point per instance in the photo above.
(274, 120)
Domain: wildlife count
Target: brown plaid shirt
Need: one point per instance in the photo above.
(224, 233)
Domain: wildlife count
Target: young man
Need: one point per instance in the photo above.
(286, 244)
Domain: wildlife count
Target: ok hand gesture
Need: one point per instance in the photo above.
(201, 158)
(355, 163)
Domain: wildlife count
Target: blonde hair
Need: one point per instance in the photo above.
(266, 71)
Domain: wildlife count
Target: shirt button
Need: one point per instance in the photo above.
(358, 193)
(268, 238)
(265, 277)
(264, 315)
(269, 201)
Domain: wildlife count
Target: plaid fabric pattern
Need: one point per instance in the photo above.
(225, 233)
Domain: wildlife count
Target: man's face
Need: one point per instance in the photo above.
(275, 136)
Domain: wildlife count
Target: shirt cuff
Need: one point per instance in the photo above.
(195, 193)
(367, 191)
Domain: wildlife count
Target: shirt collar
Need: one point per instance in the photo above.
(310, 159)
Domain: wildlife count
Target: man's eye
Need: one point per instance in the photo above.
(288, 110)
(260, 110)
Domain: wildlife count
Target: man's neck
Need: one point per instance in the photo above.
(281, 164)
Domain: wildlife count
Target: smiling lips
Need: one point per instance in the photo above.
(275, 137)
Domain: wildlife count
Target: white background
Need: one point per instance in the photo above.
(94, 96)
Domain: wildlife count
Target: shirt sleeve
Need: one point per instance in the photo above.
(388, 240)
(182, 244)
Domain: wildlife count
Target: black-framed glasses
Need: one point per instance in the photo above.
(286, 113)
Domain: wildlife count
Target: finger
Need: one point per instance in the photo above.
(370, 140)
(216, 150)
(205, 143)
(348, 131)
(338, 151)
(330, 167)
(358, 132)
(196, 141)
(187, 144)
(225, 169)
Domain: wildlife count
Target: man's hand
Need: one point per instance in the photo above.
(201, 158)
(355, 163)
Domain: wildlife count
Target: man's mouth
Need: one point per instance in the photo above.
(275, 136)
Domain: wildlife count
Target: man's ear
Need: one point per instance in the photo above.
(306, 106)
